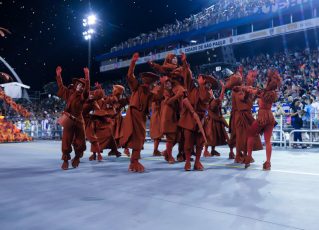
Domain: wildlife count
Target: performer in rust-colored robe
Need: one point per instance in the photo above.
(215, 125)
(241, 118)
(155, 120)
(198, 97)
(106, 137)
(73, 133)
(89, 106)
(134, 124)
(172, 70)
(118, 120)
(265, 119)
(170, 107)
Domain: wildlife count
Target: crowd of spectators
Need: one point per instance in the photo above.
(220, 11)
(43, 120)
(298, 98)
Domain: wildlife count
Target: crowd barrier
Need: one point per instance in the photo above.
(283, 132)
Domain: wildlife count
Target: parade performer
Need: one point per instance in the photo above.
(192, 115)
(241, 118)
(215, 125)
(107, 130)
(133, 131)
(118, 91)
(89, 106)
(155, 120)
(265, 119)
(173, 94)
(72, 119)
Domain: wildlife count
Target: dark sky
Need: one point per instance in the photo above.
(49, 33)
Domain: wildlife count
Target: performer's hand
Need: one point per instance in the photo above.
(135, 57)
(201, 80)
(86, 72)
(183, 57)
(98, 85)
(150, 63)
(58, 70)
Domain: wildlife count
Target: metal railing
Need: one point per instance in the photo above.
(311, 140)
(282, 133)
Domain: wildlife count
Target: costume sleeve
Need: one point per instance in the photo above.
(158, 93)
(188, 77)
(157, 67)
(63, 91)
(204, 95)
(214, 104)
(86, 91)
(131, 79)
(178, 95)
(96, 106)
(110, 100)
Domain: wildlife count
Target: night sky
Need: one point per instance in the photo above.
(49, 33)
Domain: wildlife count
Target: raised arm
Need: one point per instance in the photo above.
(222, 93)
(188, 76)
(86, 91)
(179, 94)
(131, 79)
(204, 94)
(63, 91)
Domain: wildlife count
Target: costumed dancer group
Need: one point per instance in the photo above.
(182, 109)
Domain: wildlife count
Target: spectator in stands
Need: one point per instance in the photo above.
(309, 112)
(279, 110)
(296, 121)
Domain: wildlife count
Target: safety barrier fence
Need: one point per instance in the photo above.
(283, 133)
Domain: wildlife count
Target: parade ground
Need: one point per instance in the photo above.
(36, 194)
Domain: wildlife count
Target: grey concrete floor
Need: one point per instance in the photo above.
(36, 194)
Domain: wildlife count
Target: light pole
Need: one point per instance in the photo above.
(88, 24)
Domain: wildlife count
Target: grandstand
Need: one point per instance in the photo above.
(227, 34)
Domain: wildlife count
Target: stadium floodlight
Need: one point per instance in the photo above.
(91, 19)
(193, 41)
(88, 23)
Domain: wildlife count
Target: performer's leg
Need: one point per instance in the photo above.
(180, 139)
(113, 147)
(188, 148)
(206, 153)
(92, 138)
(169, 150)
(127, 152)
(232, 144)
(267, 135)
(92, 157)
(67, 138)
(251, 133)
(170, 141)
(79, 144)
(198, 151)
(156, 153)
(214, 152)
(135, 166)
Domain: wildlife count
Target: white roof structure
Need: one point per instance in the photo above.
(15, 89)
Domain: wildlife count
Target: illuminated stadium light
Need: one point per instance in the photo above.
(193, 41)
(91, 20)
